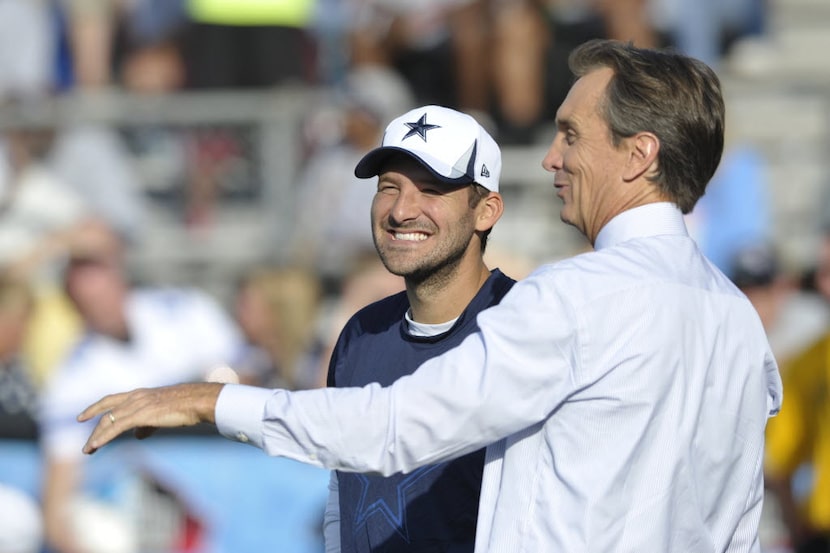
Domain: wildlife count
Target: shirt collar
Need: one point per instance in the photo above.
(646, 220)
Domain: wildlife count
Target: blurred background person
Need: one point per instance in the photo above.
(798, 440)
(276, 309)
(249, 43)
(532, 39)
(28, 44)
(18, 390)
(366, 281)
(706, 29)
(793, 317)
(39, 214)
(520, 45)
(22, 528)
(134, 337)
(735, 213)
(438, 46)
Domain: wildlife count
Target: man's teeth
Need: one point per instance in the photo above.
(416, 236)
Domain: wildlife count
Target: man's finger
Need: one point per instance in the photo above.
(104, 432)
(114, 421)
(101, 406)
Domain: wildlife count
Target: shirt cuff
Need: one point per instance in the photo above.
(239, 411)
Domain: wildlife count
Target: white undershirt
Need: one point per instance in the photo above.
(425, 330)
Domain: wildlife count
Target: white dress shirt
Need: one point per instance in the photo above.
(624, 391)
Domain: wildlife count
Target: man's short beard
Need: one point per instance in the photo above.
(434, 274)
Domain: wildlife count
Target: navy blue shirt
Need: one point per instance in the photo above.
(434, 508)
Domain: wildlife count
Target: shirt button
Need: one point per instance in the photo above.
(242, 437)
(313, 456)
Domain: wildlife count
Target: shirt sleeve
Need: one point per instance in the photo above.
(331, 518)
(508, 376)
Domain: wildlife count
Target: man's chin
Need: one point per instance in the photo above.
(412, 274)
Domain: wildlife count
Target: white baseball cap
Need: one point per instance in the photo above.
(450, 144)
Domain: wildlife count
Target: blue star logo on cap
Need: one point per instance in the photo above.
(420, 128)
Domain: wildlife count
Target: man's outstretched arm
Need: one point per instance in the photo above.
(509, 376)
(148, 409)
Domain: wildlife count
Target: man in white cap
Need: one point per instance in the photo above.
(437, 200)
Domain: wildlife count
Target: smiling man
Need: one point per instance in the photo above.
(622, 394)
(437, 200)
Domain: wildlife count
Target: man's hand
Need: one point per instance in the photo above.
(148, 409)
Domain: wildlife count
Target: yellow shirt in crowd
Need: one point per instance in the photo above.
(801, 432)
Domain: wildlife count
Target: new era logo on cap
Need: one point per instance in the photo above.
(450, 144)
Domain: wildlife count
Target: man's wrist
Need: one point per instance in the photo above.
(239, 411)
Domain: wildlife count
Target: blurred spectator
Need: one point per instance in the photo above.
(439, 46)
(798, 440)
(22, 528)
(51, 187)
(150, 46)
(366, 281)
(532, 40)
(94, 162)
(503, 58)
(735, 212)
(625, 20)
(331, 226)
(330, 28)
(231, 45)
(18, 392)
(792, 317)
(52, 176)
(131, 42)
(91, 28)
(134, 337)
(38, 214)
(27, 48)
(521, 40)
(33, 201)
(755, 270)
(249, 43)
(277, 310)
(704, 29)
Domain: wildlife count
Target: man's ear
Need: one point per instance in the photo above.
(642, 157)
(488, 211)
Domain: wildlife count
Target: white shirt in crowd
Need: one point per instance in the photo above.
(624, 391)
(177, 336)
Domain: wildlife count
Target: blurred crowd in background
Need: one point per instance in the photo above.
(84, 311)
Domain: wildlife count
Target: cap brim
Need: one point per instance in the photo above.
(372, 163)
